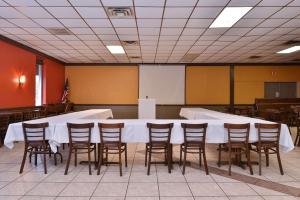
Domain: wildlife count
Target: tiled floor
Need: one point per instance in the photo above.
(136, 185)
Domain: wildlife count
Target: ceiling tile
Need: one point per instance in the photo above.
(54, 2)
(171, 31)
(212, 3)
(37, 31)
(126, 31)
(85, 2)
(206, 12)
(193, 31)
(287, 12)
(280, 31)
(261, 12)
(63, 12)
(9, 12)
(189, 37)
(24, 22)
(15, 31)
(177, 12)
(295, 3)
(174, 22)
(243, 3)
(149, 22)
(237, 31)
(34, 12)
(91, 12)
(68, 37)
(76, 23)
(4, 23)
(49, 23)
(259, 31)
(123, 23)
(98, 23)
(22, 2)
(274, 2)
(104, 31)
(246, 23)
(272, 22)
(149, 31)
(151, 3)
(117, 2)
(292, 23)
(181, 3)
(199, 23)
(149, 12)
(81, 31)
(215, 31)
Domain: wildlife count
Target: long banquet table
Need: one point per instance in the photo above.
(135, 130)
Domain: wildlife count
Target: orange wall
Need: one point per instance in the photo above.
(249, 80)
(13, 62)
(103, 84)
(207, 85)
(53, 81)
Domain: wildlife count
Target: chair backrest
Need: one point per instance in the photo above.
(268, 132)
(238, 132)
(194, 132)
(80, 133)
(4, 121)
(35, 132)
(111, 133)
(160, 132)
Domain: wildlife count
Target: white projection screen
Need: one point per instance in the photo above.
(165, 83)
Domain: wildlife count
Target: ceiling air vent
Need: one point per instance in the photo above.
(134, 57)
(189, 57)
(292, 42)
(59, 31)
(120, 12)
(130, 43)
(254, 57)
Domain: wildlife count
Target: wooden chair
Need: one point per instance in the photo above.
(111, 135)
(36, 143)
(297, 139)
(238, 143)
(268, 142)
(4, 121)
(194, 142)
(80, 142)
(159, 142)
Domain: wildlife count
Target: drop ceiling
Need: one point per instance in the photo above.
(166, 31)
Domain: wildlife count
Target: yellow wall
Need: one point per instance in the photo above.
(103, 85)
(207, 85)
(249, 80)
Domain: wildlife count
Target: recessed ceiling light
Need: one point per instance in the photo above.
(229, 16)
(290, 50)
(115, 49)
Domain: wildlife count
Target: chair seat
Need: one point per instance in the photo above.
(114, 146)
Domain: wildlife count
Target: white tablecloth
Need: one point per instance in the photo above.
(15, 132)
(216, 122)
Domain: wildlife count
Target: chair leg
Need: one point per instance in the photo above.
(100, 154)
(200, 160)
(30, 155)
(267, 156)
(204, 159)
(229, 161)
(259, 160)
(184, 160)
(23, 160)
(180, 156)
(55, 158)
(219, 155)
(106, 154)
(89, 160)
(45, 164)
(68, 161)
(249, 161)
(95, 155)
(35, 156)
(149, 161)
(279, 161)
(146, 155)
(125, 155)
(120, 161)
(75, 155)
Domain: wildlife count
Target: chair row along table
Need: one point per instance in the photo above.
(135, 130)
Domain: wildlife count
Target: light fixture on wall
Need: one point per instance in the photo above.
(22, 79)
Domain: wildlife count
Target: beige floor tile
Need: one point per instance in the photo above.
(9, 176)
(84, 177)
(198, 176)
(142, 177)
(206, 189)
(279, 198)
(111, 189)
(10, 197)
(79, 189)
(211, 198)
(47, 189)
(265, 191)
(222, 179)
(60, 177)
(115, 177)
(237, 189)
(17, 188)
(3, 183)
(142, 189)
(142, 198)
(164, 176)
(107, 198)
(176, 198)
(32, 177)
(72, 198)
(37, 198)
(174, 189)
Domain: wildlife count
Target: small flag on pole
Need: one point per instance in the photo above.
(64, 98)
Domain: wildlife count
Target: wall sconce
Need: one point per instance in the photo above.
(22, 80)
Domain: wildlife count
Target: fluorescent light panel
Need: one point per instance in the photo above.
(229, 16)
(115, 49)
(290, 50)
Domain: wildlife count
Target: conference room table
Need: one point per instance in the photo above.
(135, 130)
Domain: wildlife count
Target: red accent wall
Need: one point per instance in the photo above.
(53, 81)
(15, 61)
